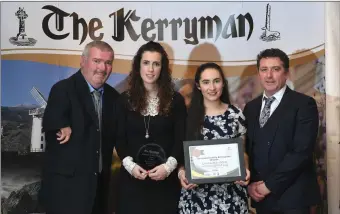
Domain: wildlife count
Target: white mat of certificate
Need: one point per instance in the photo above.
(211, 161)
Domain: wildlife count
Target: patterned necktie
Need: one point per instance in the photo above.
(265, 113)
(98, 108)
(97, 105)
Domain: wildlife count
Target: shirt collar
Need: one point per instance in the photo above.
(278, 95)
(101, 89)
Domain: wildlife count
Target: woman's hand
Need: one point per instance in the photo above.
(184, 181)
(139, 173)
(245, 182)
(158, 173)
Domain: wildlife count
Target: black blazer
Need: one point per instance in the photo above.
(70, 104)
(291, 176)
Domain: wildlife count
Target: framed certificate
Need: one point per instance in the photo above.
(214, 161)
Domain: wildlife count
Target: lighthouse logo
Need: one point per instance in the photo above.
(268, 34)
(21, 39)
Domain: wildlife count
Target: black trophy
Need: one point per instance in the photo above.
(150, 155)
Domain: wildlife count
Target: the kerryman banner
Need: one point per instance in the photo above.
(41, 43)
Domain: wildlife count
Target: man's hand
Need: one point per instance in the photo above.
(184, 181)
(262, 189)
(139, 173)
(158, 173)
(254, 194)
(64, 135)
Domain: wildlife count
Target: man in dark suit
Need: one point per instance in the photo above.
(79, 126)
(282, 128)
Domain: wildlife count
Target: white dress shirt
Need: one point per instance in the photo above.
(278, 97)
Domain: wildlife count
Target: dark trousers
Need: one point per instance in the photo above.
(68, 194)
(293, 211)
(100, 205)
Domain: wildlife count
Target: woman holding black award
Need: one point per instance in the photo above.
(210, 117)
(150, 133)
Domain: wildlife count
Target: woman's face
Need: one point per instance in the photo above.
(211, 84)
(150, 67)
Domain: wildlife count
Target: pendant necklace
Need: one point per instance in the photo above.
(146, 127)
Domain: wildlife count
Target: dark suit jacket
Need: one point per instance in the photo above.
(70, 104)
(291, 174)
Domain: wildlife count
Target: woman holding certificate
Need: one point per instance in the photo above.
(150, 134)
(210, 117)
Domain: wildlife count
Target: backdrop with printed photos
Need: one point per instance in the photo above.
(41, 43)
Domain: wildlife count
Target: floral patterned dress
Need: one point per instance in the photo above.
(220, 197)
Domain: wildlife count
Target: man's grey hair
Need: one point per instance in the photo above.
(101, 45)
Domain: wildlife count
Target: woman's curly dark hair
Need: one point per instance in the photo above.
(137, 92)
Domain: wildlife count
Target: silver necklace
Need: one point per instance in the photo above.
(146, 127)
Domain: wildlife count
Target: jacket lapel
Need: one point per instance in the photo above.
(256, 115)
(278, 114)
(108, 107)
(253, 118)
(274, 119)
(83, 90)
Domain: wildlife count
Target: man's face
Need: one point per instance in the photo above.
(97, 66)
(272, 75)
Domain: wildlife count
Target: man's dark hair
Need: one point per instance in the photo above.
(274, 52)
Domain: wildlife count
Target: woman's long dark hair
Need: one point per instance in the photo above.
(196, 110)
(137, 92)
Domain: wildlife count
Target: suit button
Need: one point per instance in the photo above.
(95, 174)
(268, 143)
(97, 152)
(97, 130)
